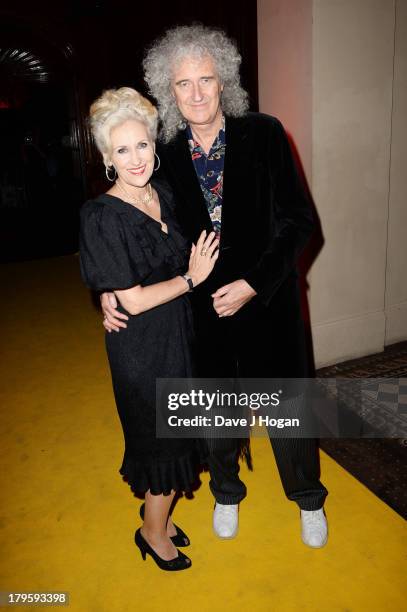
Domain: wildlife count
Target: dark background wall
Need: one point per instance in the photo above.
(55, 59)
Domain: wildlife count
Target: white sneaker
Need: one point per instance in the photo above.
(226, 520)
(314, 528)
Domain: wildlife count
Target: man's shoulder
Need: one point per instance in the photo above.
(256, 121)
(250, 122)
(262, 118)
(258, 130)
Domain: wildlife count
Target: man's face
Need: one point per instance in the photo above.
(197, 89)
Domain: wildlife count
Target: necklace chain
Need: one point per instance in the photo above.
(145, 199)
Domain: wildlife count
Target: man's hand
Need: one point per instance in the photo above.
(113, 318)
(230, 298)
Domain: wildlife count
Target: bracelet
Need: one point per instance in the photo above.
(188, 279)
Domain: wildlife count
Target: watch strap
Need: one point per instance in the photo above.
(188, 279)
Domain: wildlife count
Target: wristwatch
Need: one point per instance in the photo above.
(189, 281)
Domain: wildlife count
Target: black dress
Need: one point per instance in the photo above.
(120, 247)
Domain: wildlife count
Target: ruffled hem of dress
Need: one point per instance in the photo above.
(179, 474)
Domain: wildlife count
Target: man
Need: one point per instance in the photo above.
(233, 171)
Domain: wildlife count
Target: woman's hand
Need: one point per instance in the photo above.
(203, 257)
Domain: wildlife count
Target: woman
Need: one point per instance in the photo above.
(131, 244)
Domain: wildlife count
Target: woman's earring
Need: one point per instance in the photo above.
(159, 162)
(107, 168)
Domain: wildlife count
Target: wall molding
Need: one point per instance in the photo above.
(396, 323)
(348, 338)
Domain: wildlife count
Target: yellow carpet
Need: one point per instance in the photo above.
(67, 520)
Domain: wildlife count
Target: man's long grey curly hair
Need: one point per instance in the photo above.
(196, 41)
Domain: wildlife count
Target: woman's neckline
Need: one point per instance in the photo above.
(163, 222)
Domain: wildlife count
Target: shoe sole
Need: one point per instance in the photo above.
(313, 546)
(231, 537)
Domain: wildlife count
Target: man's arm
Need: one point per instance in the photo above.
(294, 222)
(294, 225)
(227, 300)
(113, 319)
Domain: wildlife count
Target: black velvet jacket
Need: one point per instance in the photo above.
(266, 222)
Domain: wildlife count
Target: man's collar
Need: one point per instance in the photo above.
(219, 140)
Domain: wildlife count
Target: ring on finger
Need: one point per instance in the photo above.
(204, 252)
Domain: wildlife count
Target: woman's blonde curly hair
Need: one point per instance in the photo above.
(115, 106)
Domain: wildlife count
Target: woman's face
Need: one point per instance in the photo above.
(132, 152)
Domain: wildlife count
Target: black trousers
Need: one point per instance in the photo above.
(297, 462)
(219, 355)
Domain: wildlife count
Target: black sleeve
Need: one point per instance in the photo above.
(105, 260)
(293, 222)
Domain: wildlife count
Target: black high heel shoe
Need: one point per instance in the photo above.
(181, 562)
(180, 539)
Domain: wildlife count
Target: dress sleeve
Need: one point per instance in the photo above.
(104, 255)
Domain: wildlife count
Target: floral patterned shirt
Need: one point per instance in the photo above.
(209, 170)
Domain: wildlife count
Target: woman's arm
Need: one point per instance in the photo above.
(203, 256)
(139, 299)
